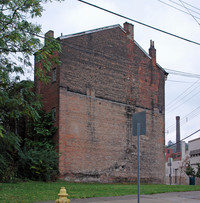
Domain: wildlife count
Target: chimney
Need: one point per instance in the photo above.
(129, 30)
(152, 52)
(49, 34)
(178, 145)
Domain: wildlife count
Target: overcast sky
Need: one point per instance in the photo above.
(182, 93)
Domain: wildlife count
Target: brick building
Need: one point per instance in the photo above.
(105, 77)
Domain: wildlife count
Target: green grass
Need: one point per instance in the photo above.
(25, 192)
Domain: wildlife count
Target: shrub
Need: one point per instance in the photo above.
(38, 157)
(39, 163)
(189, 170)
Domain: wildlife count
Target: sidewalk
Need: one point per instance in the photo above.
(174, 197)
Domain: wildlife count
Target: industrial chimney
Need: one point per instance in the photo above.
(178, 145)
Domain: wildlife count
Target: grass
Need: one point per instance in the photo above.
(25, 192)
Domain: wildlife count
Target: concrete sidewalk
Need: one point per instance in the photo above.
(174, 197)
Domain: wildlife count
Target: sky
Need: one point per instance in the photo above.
(182, 94)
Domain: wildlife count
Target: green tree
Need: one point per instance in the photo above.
(38, 158)
(189, 170)
(27, 149)
(19, 38)
(18, 104)
(198, 170)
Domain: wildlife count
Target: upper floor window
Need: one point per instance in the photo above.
(54, 75)
(53, 111)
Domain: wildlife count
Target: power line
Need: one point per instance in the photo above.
(182, 2)
(181, 5)
(189, 12)
(195, 112)
(190, 5)
(179, 81)
(179, 105)
(149, 26)
(181, 73)
(179, 96)
(184, 138)
(177, 8)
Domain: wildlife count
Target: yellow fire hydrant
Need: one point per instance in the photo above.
(63, 196)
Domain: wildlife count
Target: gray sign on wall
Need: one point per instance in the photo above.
(139, 118)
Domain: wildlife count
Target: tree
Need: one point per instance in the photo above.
(18, 104)
(26, 145)
(198, 170)
(38, 159)
(189, 170)
(182, 167)
(19, 38)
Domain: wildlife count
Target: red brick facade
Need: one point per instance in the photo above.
(104, 78)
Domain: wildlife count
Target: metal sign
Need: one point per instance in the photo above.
(139, 118)
(139, 128)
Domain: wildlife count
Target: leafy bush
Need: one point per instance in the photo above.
(189, 170)
(38, 158)
(198, 170)
(9, 148)
(39, 164)
(27, 149)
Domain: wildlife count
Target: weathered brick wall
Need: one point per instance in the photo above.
(94, 63)
(92, 135)
(96, 143)
(113, 66)
(104, 78)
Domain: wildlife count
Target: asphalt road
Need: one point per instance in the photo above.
(174, 197)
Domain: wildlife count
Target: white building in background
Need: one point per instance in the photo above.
(194, 152)
(176, 162)
(175, 165)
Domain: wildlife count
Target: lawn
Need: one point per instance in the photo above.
(25, 192)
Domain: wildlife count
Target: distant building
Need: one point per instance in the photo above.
(176, 162)
(175, 165)
(194, 152)
(105, 77)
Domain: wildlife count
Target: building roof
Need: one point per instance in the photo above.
(91, 31)
(107, 28)
(194, 140)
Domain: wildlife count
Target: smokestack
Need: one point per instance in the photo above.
(178, 145)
